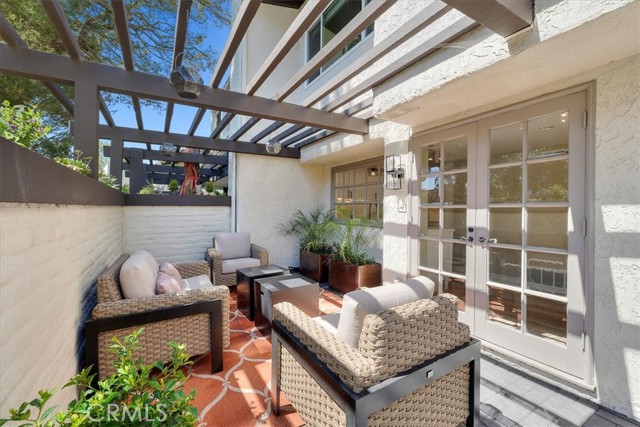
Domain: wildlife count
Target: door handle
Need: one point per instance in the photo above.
(484, 239)
(466, 239)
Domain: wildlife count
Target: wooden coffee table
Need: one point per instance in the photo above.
(294, 288)
(245, 278)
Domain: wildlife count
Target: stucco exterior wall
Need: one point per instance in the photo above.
(49, 256)
(173, 233)
(617, 237)
(268, 192)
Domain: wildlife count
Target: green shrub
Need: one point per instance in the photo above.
(316, 230)
(148, 189)
(136, 395)
(174, 186)
(77, 163)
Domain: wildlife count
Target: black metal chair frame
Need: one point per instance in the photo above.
(359, 406)
(213, 307)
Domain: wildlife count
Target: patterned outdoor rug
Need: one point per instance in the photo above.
(240, 396)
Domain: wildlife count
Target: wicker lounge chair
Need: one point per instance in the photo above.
(414, 365)
(198, 318)
(230, 252)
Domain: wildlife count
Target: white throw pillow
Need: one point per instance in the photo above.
(149, 259)
(233, 245)
(137, 277)
(357, 304)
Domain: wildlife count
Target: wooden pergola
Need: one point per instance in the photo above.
(308, 122)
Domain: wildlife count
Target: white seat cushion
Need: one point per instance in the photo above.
(233, 245)
(196, 282)
(231, 265)
(357, 304)
(137, 277)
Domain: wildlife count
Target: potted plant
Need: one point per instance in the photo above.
(316, 231)
(174, 186)
(209, 189)
(351, 267)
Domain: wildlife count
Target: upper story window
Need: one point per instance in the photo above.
(333, 19)
(357, 189)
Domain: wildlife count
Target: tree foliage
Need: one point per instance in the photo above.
(152, 30)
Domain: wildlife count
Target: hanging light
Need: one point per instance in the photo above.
(167, 149)
(273, 145)
(186, 81)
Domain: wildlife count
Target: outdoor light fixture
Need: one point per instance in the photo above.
(372, 171)
(186, 82)
(273, 146)
(167, 149)
(395, 172)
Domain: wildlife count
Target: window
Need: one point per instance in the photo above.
(358, 189)
(337, 15)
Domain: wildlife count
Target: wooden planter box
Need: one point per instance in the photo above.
(315, 266)
(345, 277)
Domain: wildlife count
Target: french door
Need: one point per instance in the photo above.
(499, 208)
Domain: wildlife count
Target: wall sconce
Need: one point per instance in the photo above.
(372, 171)
(395, 172)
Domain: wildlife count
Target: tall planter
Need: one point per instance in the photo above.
(315, 266)
(345, 277)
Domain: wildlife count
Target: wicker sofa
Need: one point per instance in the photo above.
(230, 252)
(413, 365)
(197, 317)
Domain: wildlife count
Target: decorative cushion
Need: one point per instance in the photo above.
(196, 282)
(165, 267)
(137, 277)
(166, 284)
(153, 264)
(233, 245)
(231, 265)
(357, 304)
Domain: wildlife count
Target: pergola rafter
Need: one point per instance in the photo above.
(61, 25)
(247, 12)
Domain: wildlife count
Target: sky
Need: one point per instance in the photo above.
(154, 118)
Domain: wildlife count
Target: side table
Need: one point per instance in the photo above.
(245, 279)
(294, 288)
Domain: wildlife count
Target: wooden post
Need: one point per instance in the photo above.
(138, 176)
(85, 136)
(115, 164)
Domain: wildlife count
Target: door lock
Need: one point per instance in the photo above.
(466, 239)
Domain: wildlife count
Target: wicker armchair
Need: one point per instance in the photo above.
(198, 318)
(219, 273)
(415, 365)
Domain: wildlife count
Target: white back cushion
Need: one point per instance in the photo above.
(233, 245)
(149, 259)
(196, 282)
(357, 304)
(138, 277)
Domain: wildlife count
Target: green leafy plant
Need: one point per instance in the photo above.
(174, 186)
(209, 187)
(77, 163)
(137, 394)
(353, 237)
(148, 189)
(22, 124)
(125, 189)
(108, 179)
(316, 230)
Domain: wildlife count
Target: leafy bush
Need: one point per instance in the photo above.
(174, 186)
(209, 187)
(148, 189)
(316, 230)
(136, 395)
(353, 237)
(77, 163)
(22, 124)
(109, 180)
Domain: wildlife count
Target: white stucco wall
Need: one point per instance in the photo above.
(268, 192)
(49, 255)
(617, 232)
(173, 233)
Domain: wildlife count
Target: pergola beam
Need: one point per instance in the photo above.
(503, 17)
(180, 38)
(200, 142)
(128, 153)
(46, 66)
(357, 25)
(177, 170)
(13, 39)
(61, 25)
(247, 12)
(122, 27)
